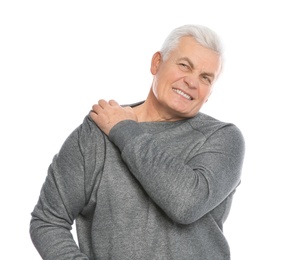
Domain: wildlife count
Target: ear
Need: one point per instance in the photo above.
(155, 62)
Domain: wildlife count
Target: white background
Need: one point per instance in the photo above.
(57, 58)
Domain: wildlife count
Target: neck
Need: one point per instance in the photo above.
(152, 111)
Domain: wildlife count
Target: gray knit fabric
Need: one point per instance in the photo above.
(153, 190)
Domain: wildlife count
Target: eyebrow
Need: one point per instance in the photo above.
(188, 60)
(212, 75)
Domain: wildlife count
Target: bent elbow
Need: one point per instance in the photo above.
(185, 214)
(34, 229)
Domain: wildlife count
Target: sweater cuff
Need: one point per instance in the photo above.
(123, 132)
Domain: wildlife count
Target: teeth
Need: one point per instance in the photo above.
(180, 92)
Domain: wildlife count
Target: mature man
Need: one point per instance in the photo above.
(153, 180)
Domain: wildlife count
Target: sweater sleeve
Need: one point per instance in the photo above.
(185, 191)
(63, 196)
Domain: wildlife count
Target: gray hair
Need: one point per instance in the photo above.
(202, 34)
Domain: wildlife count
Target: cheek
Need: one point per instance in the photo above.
(205, 92)
(164, 81)
(155, 85)
(159, 87)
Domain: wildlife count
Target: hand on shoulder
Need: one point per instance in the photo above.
(108, 114)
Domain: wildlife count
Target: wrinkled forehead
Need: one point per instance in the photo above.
(188, 47)
(188, 43)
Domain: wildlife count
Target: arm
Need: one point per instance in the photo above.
(185, 191)
(62, 197)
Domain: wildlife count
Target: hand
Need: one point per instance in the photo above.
(108, 114)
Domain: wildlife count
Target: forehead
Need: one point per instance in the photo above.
(188, 43)
(196, 53)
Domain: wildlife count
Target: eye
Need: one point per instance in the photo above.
(207, 79)
(183, 66)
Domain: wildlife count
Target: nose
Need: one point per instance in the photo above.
(191, 81)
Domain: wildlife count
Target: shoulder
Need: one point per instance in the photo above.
(219, 133)
(88, 130)
(88, 127)
(219, 136)
(86, 135)
(208, 125)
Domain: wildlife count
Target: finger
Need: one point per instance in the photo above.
(99, 118)
(128, 108)
(102, 103)
(113, 103)
(96, 108)
(93, 115)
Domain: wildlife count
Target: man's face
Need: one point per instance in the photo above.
(184, 82)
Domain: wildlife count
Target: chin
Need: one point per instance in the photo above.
(184, 115)
(183, 110)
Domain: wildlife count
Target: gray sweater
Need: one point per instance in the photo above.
(153, 190)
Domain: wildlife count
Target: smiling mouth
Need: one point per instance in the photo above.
(183, 94)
